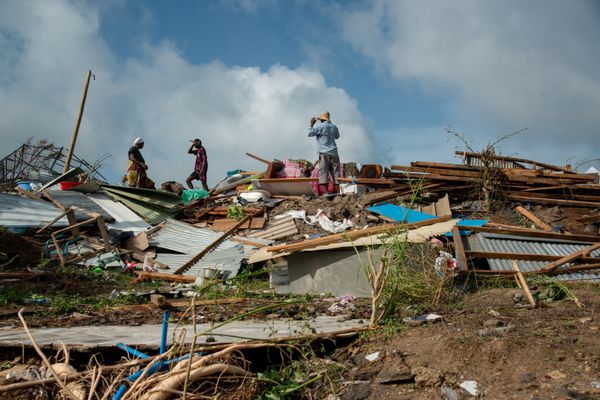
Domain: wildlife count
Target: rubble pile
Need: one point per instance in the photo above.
(508, 217)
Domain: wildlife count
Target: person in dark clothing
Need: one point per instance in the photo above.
(200, 166)
(136, 167)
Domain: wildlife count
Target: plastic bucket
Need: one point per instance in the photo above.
(68, 185)
(24, 185)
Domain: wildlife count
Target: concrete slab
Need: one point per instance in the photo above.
(237, 331)
(338, 272)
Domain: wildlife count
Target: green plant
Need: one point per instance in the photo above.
(235, 212)
(12, 295)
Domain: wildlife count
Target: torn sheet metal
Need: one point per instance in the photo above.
(74, 199)
(124, 219)
(229, 259)
(21, 212)
(497, 243)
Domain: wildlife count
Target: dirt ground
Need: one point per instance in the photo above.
(511, 352)
(18, 252)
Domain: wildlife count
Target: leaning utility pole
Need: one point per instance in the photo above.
(77, 122)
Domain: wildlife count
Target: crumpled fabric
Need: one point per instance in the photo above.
(322, 220)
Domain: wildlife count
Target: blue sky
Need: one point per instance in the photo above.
(246, 75)
(279, 32)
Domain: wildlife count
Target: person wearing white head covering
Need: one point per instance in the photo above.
(136, 167)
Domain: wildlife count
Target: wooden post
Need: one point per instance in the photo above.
(523, 282)
(77, 122)
(533, 218)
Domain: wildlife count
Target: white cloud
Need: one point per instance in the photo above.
(47, 47)
(506, 65)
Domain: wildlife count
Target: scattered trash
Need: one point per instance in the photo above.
(422, 319)
(446, 265)
(470, 388)
(372, 357)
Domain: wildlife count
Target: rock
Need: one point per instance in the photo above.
(557, 375)
(494, 323)
(158, 299)
(470, 388)
(449, 393)
(358, 391)
(372, 357)
(426, 377)
(401, 376)
(496, 332)
(358, 359)
(527, 377)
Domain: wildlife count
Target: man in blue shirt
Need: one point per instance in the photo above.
(329, 161)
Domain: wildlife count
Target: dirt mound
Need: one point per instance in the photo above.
(18, 252)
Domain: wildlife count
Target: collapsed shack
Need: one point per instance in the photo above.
(544, 222)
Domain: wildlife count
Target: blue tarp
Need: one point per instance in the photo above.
(468, 222)
(400, 214)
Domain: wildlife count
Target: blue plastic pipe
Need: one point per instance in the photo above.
(132, 351)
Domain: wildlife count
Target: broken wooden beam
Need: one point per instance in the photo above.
(214, 244)
(533, 218)
(571, 257)
(353, 235)
(523, 283)
(531, 233)
(459, 248)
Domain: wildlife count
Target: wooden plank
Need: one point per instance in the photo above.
(222, 225)
(525, 233)
(514, 159)
(262, 160)
(165, 277)
(398, 194)
(533, 218)
(589, 218)
(427, 164)
(573, 203)
(459, 248)
(353, 235)
(212, 245)
(571, 257)
(562, 196)
(287, 180)
(523, 283)
(248, 242)
(49, 224)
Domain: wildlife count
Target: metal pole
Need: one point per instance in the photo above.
(77, 122)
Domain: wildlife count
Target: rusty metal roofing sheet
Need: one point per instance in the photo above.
(527, 245)
(20, 212)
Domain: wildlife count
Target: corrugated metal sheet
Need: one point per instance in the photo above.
(124, 218)
(279, 228)
(185, 238)
(69, 198)
(154, 197)
(20, 212)
(151, 215)
(228, 259)
(527, 245)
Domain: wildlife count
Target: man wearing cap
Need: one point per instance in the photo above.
(329, 162)
(201, 165)
(136, 167)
